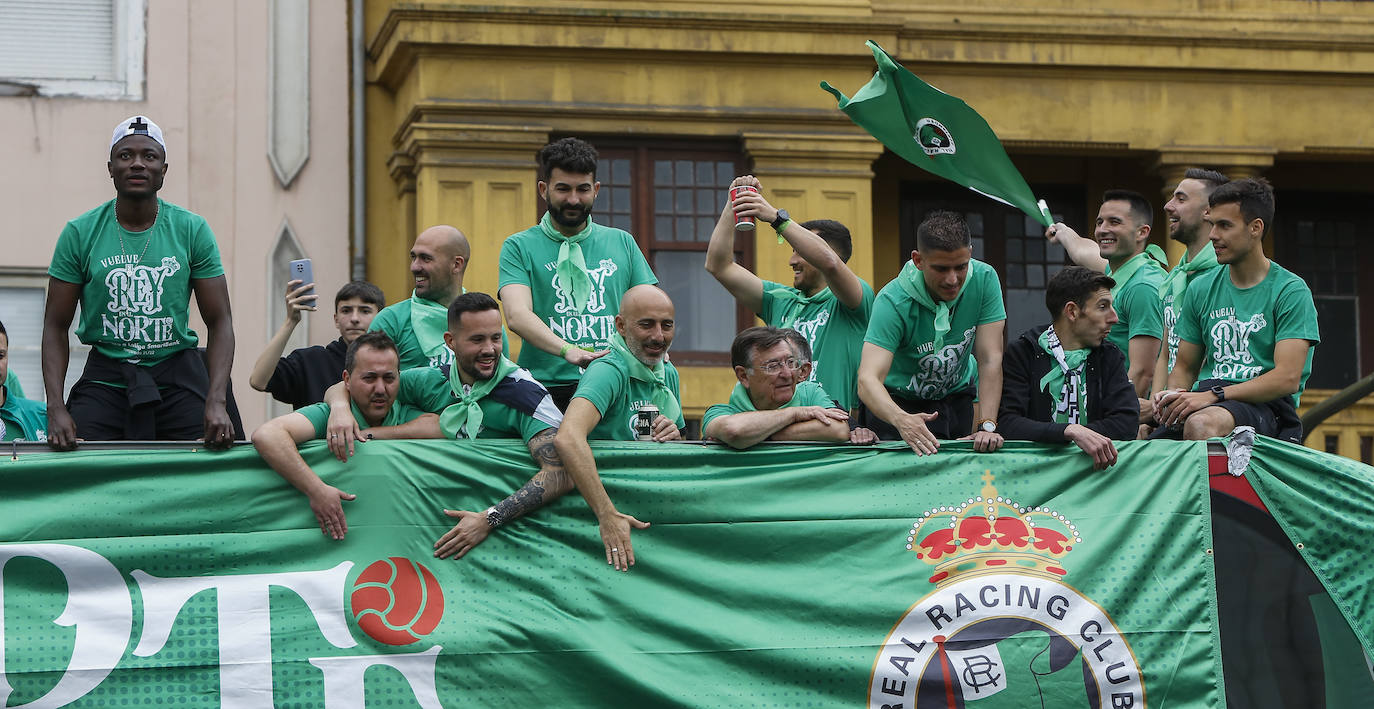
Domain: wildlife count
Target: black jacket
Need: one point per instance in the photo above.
(1027, 411)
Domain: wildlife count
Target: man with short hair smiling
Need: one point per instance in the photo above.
(774, 399)
(301, 377)
(1064, 382)
(438, 260)
(1123, 251)
(371, 377)
(133, 264)
(1247, 330)
(636, 373)
(561, 281)
(1186, 211)
(481, 395)
(826, 301)
(942, 313)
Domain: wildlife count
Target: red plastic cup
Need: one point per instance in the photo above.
(742, 222)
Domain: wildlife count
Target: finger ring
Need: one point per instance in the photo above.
(614, 549)
(333, 435)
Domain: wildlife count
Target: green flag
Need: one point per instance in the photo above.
(938, 133)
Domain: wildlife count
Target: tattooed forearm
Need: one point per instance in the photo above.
(550, 483)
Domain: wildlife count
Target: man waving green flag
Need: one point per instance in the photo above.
(938, 133)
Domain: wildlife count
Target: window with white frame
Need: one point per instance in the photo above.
(87, 48)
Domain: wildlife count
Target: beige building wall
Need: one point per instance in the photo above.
(207, 78)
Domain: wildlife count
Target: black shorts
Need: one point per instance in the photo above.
(955, 418)
(1275, 419)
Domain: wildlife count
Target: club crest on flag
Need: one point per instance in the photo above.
(1001, 627)
(933, 137)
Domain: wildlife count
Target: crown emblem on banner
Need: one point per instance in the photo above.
(990, 534)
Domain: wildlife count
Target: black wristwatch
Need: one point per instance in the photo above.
(781, 219)
(1219, 393)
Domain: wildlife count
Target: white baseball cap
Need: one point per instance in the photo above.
(137, 125)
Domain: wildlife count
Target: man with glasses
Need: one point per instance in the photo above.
(774, 399)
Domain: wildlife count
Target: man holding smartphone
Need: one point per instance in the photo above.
(133, 263)
(301, 377)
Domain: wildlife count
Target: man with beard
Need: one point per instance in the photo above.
(301, 377)
(481, 395)
(1063, 382)
(942, 313)
(826, 302)
(634, 374)
(1123, 251)
(1186, 211)
(562, 280)
(438, 261)
(132, 264)
(774, 399)
(371, 377)
(1247, 330)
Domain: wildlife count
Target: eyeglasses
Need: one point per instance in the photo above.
(777, 365)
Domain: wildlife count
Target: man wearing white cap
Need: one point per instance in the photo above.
(133, 263)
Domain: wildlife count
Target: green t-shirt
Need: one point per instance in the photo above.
(808, 393)
(394, 320)
(906, 328)
(609, 387)
(1238, 327)
(1170, 310)
(12, 383)
(835, 333)
(132, 311)
(1139, 311)
(24, 419)
(614, 263)
(318, 415)
(427, 389)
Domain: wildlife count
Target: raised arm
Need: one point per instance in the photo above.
(550, 483)
(296, 301)
(212, 296)
(276, 442)
(812, 248)
(1082, 250)
(576, 454)
(746, 287)
(57, 323)
(518, 303)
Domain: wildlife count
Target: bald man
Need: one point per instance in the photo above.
(633, 375)
(437, 261)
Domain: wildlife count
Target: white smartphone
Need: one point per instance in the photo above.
(303, 272)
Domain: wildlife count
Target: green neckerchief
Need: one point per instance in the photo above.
(465, 417)
(1177, 280)
(663, 397)
(429, 321)
(1123, 275)
(1068, 395)
(570, 273)
(796, 302)
(914, 284)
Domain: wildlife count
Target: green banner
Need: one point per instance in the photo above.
(800, 575)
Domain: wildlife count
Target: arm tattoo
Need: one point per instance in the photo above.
(551, 479)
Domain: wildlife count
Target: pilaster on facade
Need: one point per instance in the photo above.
(816, 176)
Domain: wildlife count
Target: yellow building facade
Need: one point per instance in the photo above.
(1085, 96)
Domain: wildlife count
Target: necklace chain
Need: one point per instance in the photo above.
(158, 210)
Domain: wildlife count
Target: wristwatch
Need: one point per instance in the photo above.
(987, 425)
(781, 219)
(1219, 393)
